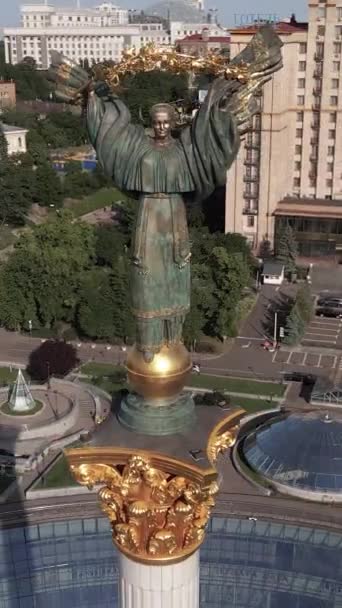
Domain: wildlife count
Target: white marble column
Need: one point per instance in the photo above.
(168, 586)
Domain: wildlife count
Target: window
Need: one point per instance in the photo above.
(336, 66)
(329, 182)
(302, 48)
(339, 13)
(300, 100)
(299, 133)
(333, 100)
(250, 221)
(331, 133)
(338, 31)
(20, 142)
(320, 49)
(298, 149)
(320, 30)
(321, 11)
(296, 182)
(334, 83)
(331, 150)
(298, 165)
(330, 167)
(337, 48)
(302, 66)
(301, 83)
(300, 116)
(332, 117)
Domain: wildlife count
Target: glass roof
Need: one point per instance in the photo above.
(244, 564)
(299, 450)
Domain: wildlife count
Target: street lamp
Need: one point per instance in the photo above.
(48, 377)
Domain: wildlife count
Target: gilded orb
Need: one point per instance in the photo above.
(163, 378)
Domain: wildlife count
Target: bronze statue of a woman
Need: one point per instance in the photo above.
(161, 170)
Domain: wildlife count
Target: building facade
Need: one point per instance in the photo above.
(15, 137)
(294, 150)
(7, 94)
(95, 34)
(203, 43)
(180, 29)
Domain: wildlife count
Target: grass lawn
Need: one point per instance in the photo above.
(103, 198)
(99, 369)
(7, 376)
(236, 385)
(58, 477)
(252, 405)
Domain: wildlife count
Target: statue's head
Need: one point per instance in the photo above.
(163, 119)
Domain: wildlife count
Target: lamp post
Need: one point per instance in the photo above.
(48, 376)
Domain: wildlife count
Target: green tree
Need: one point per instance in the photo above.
(16, 191)
(143, 90)
(3, 147)
(230, 274)
(304, 303)
(294, 328)
(109, 244)
(47, 267)
(96, 313)
(37, 147)
(287, 249)
(48, 186)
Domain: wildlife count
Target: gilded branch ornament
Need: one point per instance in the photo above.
(158, 506)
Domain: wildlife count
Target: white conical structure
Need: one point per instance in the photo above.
(20, 399)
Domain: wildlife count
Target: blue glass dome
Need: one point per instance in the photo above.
(300, 452)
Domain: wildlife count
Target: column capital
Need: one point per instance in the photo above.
(158, 506)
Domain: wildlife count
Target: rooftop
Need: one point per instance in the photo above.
(309, 207)
(11, 128)
(284, 28)
(201, 38)
(273, 268)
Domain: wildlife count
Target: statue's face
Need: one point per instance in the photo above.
(161, 124)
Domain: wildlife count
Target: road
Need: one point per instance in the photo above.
(245, 357)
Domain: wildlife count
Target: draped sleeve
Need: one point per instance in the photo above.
(118, 143)
(211, 143)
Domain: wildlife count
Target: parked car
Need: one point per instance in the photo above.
(308, 379)
(329, 301)
(330, 311)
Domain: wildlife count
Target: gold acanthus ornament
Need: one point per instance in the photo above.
(153, 514)
(158, 506)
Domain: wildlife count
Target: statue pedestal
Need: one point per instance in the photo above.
(151, 417)
(163, 586)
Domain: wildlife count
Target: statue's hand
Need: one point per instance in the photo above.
(101, 89)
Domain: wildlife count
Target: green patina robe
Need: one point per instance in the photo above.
(195, 163)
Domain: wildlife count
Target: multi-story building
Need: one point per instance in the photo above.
(7, 94)
(95, 34)
(289, 168)
(180, 30)
(203, 43)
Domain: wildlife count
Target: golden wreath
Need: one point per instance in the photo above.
(168, 59)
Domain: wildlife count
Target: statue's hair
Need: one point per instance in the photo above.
(163, 107)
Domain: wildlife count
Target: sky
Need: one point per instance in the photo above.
(230, 11)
